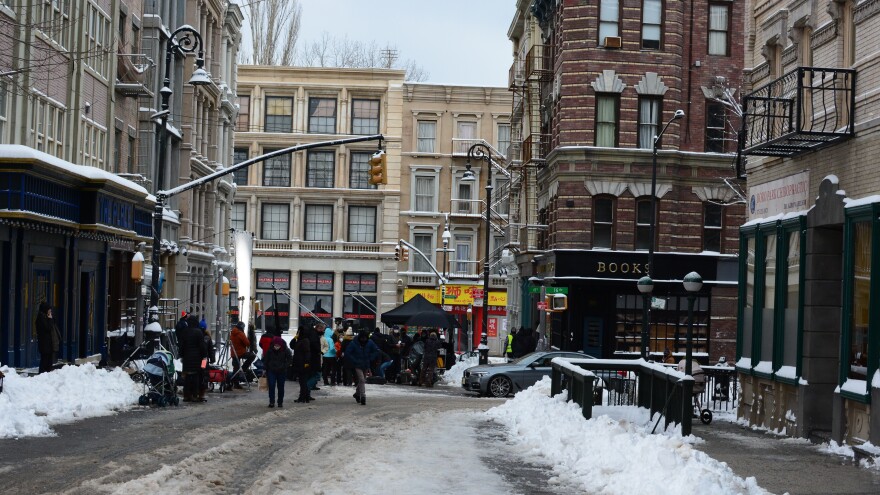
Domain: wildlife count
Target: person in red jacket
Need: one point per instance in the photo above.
(239, 350)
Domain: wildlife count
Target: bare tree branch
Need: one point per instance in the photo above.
(274, 27)
(330, 51)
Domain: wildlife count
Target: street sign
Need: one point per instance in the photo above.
(542, 305)
(556, 290)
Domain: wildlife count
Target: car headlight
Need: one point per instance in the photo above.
(479, 373)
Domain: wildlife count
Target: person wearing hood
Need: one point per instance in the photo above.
(276, 359)
(48, 337)
(360, 353)
(193, 350)
(328, 357)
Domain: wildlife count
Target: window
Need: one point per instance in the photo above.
(276, 171)
(243, 120)
(643, 224)
(668, 326)
(123, 20)
(322, 115)
(748, 303)
(117, 151)
(97, 33)
(860, 305)
(425, 193)
(652, 19)
(603, 223)
(47, 127)
(463, 198)
(3, 111)
(424, 242)
(132, 147)
(359, 177)
(719, 25)
(361, 224)
(319, 169)
(768, 309)
(94, 142)
(649, 120)
(240, 177)
(319, 223)
(463, 247)
(269, 280)
(500, 195)
(52, 19)
(276, 222)
(427, 136)
(279, 114)
(503, 138)
(319, 301)
(712, 224)
(791, 320)
(238, 218)
(135, 38)
(467, 130)
(364, 116)
(716, 119)
(606, 120)
(609, 19)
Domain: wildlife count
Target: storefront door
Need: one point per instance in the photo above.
(594, 329)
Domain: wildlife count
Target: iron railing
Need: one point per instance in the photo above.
(806, 109)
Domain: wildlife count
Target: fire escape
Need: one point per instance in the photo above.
(529, 79)
(807, 109)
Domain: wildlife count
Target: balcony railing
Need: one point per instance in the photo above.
(807, 109)
(538, 62)
(516, 76)
(535, 148)
(342, 247)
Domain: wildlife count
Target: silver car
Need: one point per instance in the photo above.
(500, 380)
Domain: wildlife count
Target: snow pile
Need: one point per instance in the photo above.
(29, 406)
(453, 375)
(611, 455)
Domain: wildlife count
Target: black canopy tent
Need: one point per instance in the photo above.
(419, 311)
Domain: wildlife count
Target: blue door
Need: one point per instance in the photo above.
(593, 336)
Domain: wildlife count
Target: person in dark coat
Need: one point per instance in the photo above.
(429, 360)
(209, 346)
(360, 353)
(240, 350)
(192, 351)
(48, 337)
(314, 333)
(527, 341)
(276, 361)
(302, 362)
(347, 370)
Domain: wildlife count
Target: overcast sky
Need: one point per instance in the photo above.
(456, 41)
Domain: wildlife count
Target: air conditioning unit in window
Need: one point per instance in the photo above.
(612, 42)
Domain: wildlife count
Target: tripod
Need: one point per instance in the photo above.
(225, 357)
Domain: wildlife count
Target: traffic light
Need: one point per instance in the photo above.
(556, 302)
(397, 252)
(405, 254)
(378, 168)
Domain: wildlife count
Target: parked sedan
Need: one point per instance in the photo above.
(500, 380)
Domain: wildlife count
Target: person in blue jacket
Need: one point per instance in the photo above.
(360, 353)
(328, 363)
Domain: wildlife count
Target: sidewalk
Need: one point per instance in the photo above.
(785, 465)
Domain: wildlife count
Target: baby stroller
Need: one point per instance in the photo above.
(160, 387)
(699, 375)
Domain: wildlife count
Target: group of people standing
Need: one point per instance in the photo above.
(521, 342)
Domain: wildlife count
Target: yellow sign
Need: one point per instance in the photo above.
(432, 295)
(498, 299)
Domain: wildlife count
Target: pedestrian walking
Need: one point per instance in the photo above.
(48, 337)
(276, 360)
(328, 357)
(301, 363)
(360, 353)
(347, 371)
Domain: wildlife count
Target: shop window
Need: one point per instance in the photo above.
(668, 325)
(791, 319)
(747, 299)
(316, 296)
(860, 301)
(768, 307)
(270, 288)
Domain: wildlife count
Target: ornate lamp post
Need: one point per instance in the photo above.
(678, 114)
(481, 151)
(183, 40)
(137, 276)
(692, 284)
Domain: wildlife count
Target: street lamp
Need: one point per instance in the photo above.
(183, 40)
(692, 284)
(678, 114)
(482, 151)
(447, 236)
(646, 286)
(137, 276)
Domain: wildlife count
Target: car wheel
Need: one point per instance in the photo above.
(500, 386)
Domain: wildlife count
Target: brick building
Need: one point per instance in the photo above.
(593, 83)
(807, 352)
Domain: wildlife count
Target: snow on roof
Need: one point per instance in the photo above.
(19, 152)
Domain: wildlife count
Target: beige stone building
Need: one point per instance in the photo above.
(323, 234)
(440, 124)
(809, 320)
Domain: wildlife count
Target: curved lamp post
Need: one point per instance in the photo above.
(183, 40)
(481, 151)
(646, 286)
(692, 284)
